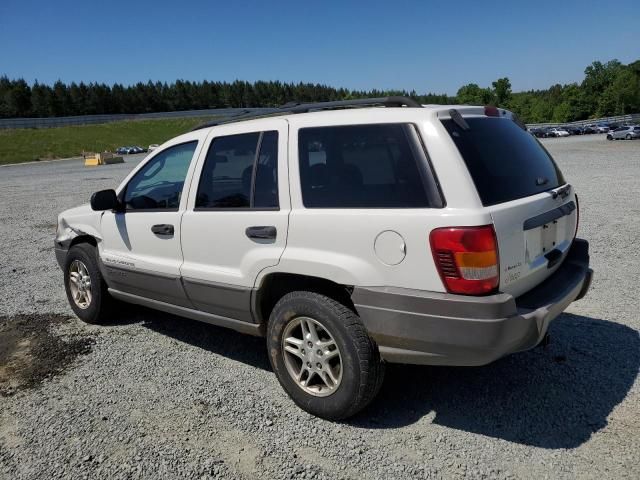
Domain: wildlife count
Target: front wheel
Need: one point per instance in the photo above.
(86, 289)
(322, 355)
(609, 137)
(628, 137)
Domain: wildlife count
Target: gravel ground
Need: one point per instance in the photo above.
(154, 396)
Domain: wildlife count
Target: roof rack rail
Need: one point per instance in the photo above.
(394, 101)
(244, 114)
(295, 107)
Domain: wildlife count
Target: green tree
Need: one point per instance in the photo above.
(472, 94)
(622, 95)
(502, 91)
(561, 113)
(597, 78)
(41, 100)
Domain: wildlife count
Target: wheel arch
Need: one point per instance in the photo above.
(84, 238)
(274, 286)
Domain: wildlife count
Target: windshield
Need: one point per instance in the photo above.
(505, 162)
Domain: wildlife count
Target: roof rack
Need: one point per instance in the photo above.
(294, 107)
(358, 102)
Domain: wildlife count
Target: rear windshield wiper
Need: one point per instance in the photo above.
(562, 191)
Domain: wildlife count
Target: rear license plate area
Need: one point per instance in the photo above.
(539, 242)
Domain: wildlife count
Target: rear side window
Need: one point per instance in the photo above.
(362, 166)
(505, 162)
(240, 171)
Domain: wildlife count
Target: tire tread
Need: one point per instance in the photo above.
(371, 367)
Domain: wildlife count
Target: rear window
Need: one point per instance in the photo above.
(505, 162)
(364, 166)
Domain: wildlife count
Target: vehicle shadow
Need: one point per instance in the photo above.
(553, 397)
(222, 341)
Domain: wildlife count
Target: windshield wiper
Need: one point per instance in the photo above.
(562, 191)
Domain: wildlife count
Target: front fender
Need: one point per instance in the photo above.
(73, 224)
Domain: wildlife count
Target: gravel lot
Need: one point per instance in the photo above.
(155, 396)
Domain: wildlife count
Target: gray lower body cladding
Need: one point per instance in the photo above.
(213, 301)
(238, 325)
(413, 326)
(160, 287)
(220, 299)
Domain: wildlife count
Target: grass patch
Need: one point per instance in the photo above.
(24, 145)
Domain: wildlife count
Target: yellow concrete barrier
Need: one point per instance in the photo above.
(104, 158)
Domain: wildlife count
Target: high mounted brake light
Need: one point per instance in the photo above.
(466, 259)
(491, 111)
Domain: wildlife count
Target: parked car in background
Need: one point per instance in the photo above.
(624, 133)
(558, 132)
(589, 129)
(602, 127)
(539, 132)
(130, 150)
(152, 147)
(573, 129)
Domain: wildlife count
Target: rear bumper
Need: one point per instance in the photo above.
(414, 326)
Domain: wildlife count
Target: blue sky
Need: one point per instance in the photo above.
(421, 45)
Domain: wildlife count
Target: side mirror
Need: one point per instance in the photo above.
(105, 200)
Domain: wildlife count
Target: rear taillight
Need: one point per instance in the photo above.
(466, 258)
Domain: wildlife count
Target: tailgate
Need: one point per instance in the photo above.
(534, 210)
(534, 235)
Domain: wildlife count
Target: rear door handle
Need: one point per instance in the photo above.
(261, 232)
(163, 229)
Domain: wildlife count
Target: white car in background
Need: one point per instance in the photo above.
(348, 237)
(152, 147)
(626, 132)
(559, 132)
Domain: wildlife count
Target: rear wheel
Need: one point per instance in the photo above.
(322, 355)
(86, 289)
(628, 137)
(609, 137)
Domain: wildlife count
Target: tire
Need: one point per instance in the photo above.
(100, 303)
(360, 371)
(628, 137)
(609, 137)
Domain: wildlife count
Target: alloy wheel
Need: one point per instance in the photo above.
(80, 284)
(312, 356)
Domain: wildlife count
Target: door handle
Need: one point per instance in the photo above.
(261, 232)
(162, 229)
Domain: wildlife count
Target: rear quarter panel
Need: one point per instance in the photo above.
(339, 244)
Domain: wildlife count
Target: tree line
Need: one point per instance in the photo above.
(609, 88)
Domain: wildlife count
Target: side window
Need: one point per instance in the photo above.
(158, 185)
(240, 171)
(361, 166)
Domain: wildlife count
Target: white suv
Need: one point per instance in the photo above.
(347, 236)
